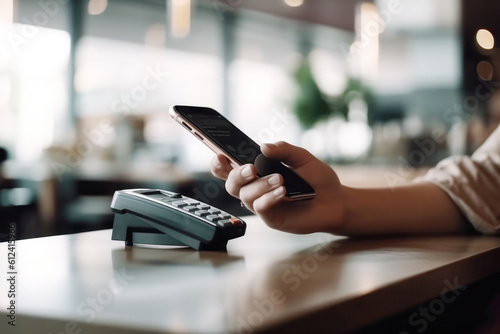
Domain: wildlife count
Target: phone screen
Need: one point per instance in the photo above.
(238, 146)
(227, 136)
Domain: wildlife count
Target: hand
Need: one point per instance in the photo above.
(266, 196)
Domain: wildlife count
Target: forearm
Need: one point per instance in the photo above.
(413, 209)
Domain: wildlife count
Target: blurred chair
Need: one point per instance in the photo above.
(18, 204)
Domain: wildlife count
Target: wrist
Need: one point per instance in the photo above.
(341, 207)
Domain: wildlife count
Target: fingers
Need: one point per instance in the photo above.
(262, 194)
(220, 167)
(238, 177)
(268, 200)
(243, 183)
(270, 186)
(291, 155)
(317, 173)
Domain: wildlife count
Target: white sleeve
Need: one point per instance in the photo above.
(473, 183)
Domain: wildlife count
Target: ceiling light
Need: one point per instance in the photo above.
(294, 3)
(485, 39)
(180, 17)
(97, 7)
(485, 70)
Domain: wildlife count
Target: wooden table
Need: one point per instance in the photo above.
(267, 281)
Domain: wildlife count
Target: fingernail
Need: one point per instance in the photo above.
(278, 192)
(274, 180)
(246, 172)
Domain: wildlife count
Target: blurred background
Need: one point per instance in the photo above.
(382, 90)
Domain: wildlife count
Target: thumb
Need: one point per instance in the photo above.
(291, 155)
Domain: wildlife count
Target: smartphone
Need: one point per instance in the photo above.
(221, 136)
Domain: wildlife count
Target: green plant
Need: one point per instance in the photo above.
(310, 105)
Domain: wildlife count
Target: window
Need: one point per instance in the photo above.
(33, 88)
